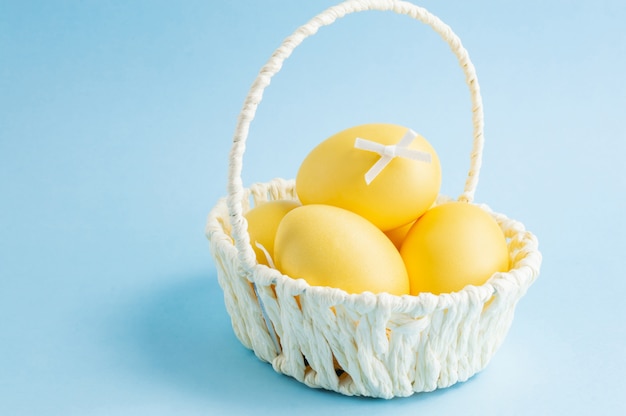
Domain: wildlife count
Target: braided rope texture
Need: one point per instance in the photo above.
(274, 65)
(368, 345)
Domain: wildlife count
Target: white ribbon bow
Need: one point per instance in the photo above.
(388, 152)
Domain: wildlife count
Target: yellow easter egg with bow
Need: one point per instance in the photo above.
(330, 246)
(385, 173)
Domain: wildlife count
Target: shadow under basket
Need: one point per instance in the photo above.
(369, 345)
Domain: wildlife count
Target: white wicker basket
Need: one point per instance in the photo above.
(370, 345)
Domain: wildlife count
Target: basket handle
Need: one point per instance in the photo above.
(273, 66)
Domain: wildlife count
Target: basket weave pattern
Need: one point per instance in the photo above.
(371, 345)
(386, 345)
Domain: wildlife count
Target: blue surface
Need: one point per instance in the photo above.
(115, 127)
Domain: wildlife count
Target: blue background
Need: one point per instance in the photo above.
(115, 125)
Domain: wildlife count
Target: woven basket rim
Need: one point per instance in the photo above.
(521, 273)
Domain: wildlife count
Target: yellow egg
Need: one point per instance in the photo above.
(330, 246)
(334, 173)
(397, 234)
(451, 246)
(263, 221)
